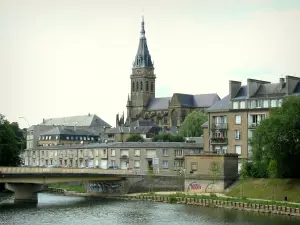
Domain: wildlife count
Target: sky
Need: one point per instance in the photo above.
(73, 57)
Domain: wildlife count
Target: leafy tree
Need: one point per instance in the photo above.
(276, 144)
(168, 137)
(11, 143)
(135, 138)
(192, 125)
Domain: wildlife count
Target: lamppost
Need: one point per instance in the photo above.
(21, 117)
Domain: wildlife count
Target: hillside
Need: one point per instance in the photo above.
(271, 189)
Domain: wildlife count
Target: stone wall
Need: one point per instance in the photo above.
(199, 186)
(157, 183)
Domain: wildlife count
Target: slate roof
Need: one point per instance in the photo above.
(185, 100)
(181, 145)
(158, 103)
(63, 130)
(223, 105)
(83, 120)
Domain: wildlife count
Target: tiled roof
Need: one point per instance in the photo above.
(84, 120)
(222, 105)
(205, 100)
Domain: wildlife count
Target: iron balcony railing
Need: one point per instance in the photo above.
(219, 126)
(218, 140)
(253, 125)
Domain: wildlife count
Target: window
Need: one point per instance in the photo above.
(43, 138)
(152, 87)
(57, 137)
(88, 138)
(84, 138)
(194, 166)
(147, 85)
(133, 87)
(165, 152)
(273, 103)
(266, 104)
(279, 102)
(238, 119)
(46, 137)
(137, 153)
(113, 152)
(259, 103)
(49, 137)
(72, 138)
(112, 162)
(165, 120)
(92, 138)
(237, 134)
(179, 152)
(67, 137)
(250, 133)
(137, 86)
(141, 85)
(235, 105)
(224, 149)
(136, 164)
(165, 164)
(238, 149)
(252, 104)
(242, 104)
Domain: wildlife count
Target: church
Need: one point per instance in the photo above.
(142, 104)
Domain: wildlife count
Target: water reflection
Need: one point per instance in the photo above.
(63, 210)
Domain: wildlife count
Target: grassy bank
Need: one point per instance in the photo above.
(270, 189)
(174, 197)
(68, 187)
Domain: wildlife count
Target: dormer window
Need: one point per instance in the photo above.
(235, 105)
(138, 61)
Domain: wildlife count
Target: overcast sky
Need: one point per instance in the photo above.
(73, 57)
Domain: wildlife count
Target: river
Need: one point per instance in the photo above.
(64, 210)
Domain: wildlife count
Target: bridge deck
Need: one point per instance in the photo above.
(62, 171)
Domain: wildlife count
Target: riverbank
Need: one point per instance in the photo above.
(205, 199)
(269, 189)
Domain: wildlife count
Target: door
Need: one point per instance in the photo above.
(103, 164)
(123, 165)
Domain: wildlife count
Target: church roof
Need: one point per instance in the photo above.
(185, 100)
(143, 57)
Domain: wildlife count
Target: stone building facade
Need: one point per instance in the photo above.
(161, 156)
(142, 102)
(233, 119)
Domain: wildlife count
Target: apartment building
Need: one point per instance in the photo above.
(233, 119)
(163, 156)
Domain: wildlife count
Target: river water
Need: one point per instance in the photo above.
(64, 210)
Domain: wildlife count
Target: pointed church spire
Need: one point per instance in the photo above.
(143, 57)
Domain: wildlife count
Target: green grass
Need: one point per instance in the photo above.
(68, 187)
(269, 189)
(214, 197)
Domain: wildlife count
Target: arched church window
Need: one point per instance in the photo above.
(133, 87)
(152, 87)
(147, 86)
(141, 85)
(137, 86)
(174, 118)
(183, 115)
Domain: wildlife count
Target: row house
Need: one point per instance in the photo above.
(233, 119)
(163, 156)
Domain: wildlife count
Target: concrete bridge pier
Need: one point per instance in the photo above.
(24, 193)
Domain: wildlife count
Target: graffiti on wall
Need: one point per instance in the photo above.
(194, 187)
(104, 187)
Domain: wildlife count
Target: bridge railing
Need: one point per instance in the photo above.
(33, 170)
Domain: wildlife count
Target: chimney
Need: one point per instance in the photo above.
(234, 87)
(281, 81)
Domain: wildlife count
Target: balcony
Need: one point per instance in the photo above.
(219, 126)
(179, 156)
(218, 140)
(124, 156)
(253, 125)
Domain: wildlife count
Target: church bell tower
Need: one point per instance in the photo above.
(142, 79)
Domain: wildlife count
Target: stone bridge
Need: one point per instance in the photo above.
(26, 182)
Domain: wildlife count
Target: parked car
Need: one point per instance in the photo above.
(113, 168)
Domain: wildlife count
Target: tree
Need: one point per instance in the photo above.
(12, 143)
(192, 125)
(276, 144)
(168, 137)
(135, 138)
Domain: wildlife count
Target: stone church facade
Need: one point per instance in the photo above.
(142, 103)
